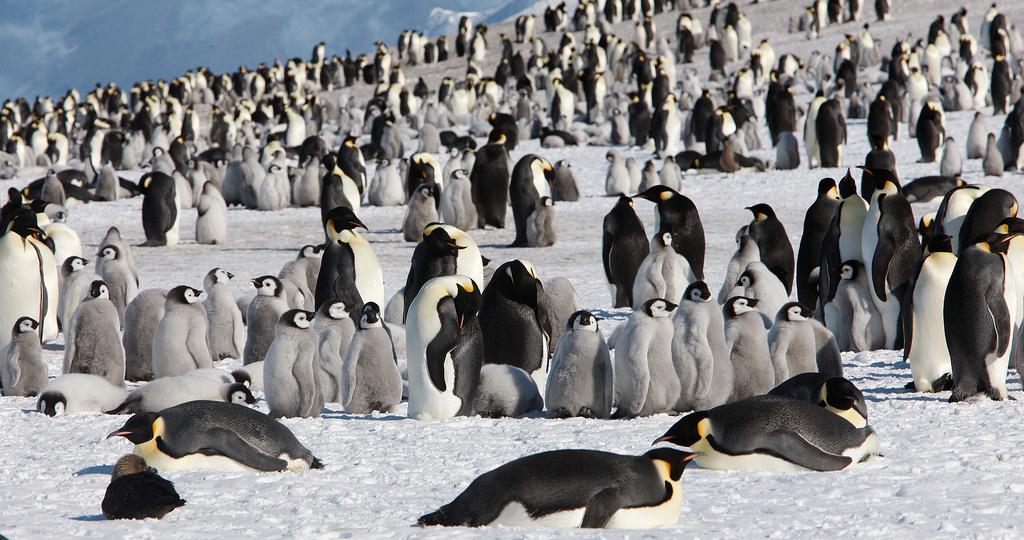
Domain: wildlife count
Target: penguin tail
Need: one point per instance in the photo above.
(316, 464)
(434, 519)
(124, 407)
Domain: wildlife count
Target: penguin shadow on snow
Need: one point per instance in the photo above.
(330, 414)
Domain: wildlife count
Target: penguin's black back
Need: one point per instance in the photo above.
(140, 495)
(337, 278)
(490, 180)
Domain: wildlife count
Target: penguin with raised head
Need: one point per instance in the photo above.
(226, 334)
(836, 395)
(93, 340)
(851, 315)
(141, 318)
(349, 270)
(290, 371)
(925, 334)
(699, 351)
(180, 342)
(531, 180)
(978, 311)
(985, 214)
(457, 206)
(490, 179)
(445, 250)
(573, 489)
(136, 492)
(747, 342)
(370, 380)
(335, 329)
(773, 243)
(773, 433)
(445, 348)
(746, 253)
(624, 246)
(663, 273)
(23, 372)
(159, 209)
(816, 223)
(261, 317)
(515, 329)
(676, 213)
(580, 380)
(213, 435)
(645, 378)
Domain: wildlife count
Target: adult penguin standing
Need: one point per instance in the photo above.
(624, 246)
(159, 209)
(830, 125)
(985, 214)
(337, 189)
(773, 243)
(490, 179)
(842, 243)
(676, 213)
(531, 181)
(349, 270)
(816, 224)
(930, 131)
(23, 283)
(515, 329)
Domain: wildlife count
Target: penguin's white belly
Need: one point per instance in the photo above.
(369, 277)
(662, 515)
(929, 357)
(173, 234)
(164, 463)
(426, 402)
(515, 515)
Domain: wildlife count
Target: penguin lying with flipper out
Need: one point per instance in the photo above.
(772, 433)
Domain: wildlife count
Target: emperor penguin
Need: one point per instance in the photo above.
(746, 253)
(74, 287)
(924, 330)
(677, 214)
(306, 186)
(758, 283)
(28, 277)
(977, 137)
(624, 246)
(213, 435)
(290, 372)
(421, 210)
(830, 128)
(978, 311)
(167, 392)
(851, 315)
(225, 329)
(262, 316)
(386, 187)
(141, 318)
(747, 342)
(78, 392)
(457, 207)
(349, 270)
(645, 379)
(489, 177)
(93, 340)
(370, 380)
(610, 491)
(540, 225)
(565, 187)
(180, 342)
(791, 342)
(52, 190)
(836, 395)
(334, 328)
(506, 391)
(515, 330)
(816, 224)
(773, 433)
(445, 348)
(662, 274)
(212, 216)
(65, 240)
(776, 251)
(699, 351)
(136, 492)
(811, 143)
(160, 209)
(116, 272)
(113, 238)
(531, 181)
(445, 250)
(580, 381)
(23, 372)
(617, 180)
(950, 165)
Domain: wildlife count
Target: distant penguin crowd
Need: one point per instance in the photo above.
(754, 363)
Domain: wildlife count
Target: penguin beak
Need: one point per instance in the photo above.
(690, 456)
(663, 438)
(356, 223)
(230, 275)
(119, 433)
(256, 283)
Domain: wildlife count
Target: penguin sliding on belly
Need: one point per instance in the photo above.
(573, 488)
(772, 433)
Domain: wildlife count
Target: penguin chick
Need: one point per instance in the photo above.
(23, 372)
(540, 225)
(170, 391)
(791, 342)
(506, 391)
(225, 330)
(457, 206)
(747, 342)
(421, 211)
(580, 380)
(662, 274)
(261, 317)
(335, 330)
(137, 492)
(645, 380)
(93, 342)
(290, 374)
(180, 341)
(699, 352)
(370, 380)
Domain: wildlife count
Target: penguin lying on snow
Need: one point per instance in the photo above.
(137, 492)
(772, 433)
(573, 488)
(215, 436)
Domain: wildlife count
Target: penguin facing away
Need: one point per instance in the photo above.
(136, 492)
(624, 246)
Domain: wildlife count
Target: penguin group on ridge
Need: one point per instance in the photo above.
(754, 366)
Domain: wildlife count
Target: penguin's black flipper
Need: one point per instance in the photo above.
(898, 245)
(601, 508)
(1000, 319)
(229, 444)
(444, 341)
(790, 446)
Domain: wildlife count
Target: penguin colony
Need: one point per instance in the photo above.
(755, 368)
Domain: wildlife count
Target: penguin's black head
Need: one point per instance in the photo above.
(51, 403)
(183, 294)
(98, 289)
(842, 395)
(340, 219)
(827, 188)
(371, 316)
(466, 299)
(940, 243)
(746, 279)
(688, 431)
(677, 460)
(310, 251)
(239, 393)
(497, 136)
(517, 280)
(582, 320)
(242, 376)
(795, 312)
(297, 318)
(878, 179)
(738, 305)
(658, 308)
(138, 429)
(1011, 225)
(993, 242)
(657, 194)
(25, 225)
(437, 240)
(762, 212)
(109, 253)
(267, 285)
(74, 264)
(697, 291)
(24, 325)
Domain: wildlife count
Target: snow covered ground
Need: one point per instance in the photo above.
(946, 469)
